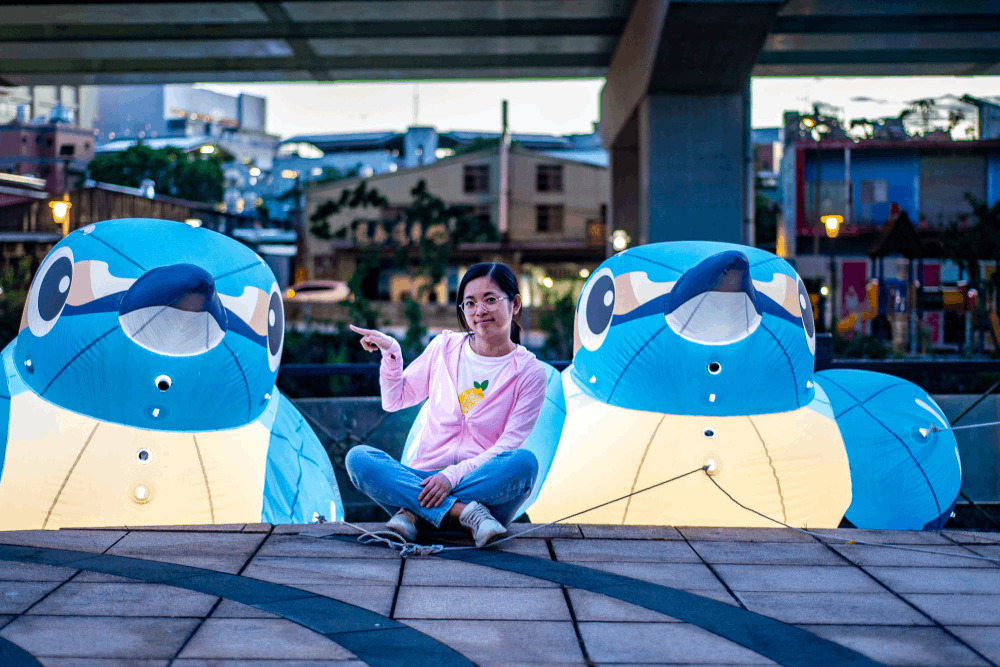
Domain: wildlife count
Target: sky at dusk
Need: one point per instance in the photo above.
(559, 106)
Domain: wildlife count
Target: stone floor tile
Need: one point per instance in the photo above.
(436, 572)
(243, 662)
(913, 537)
(260, 638)
(17, 596)
(972, 536)
(797, 578)
(377, 598)
(766, 553)
(833, 608)
(13, 571)
(564, 530)
(194, 528)
(77, 540)
(311, 546)
(590, 606)
(868, 555)
(988, 551)
(5, 619)
(662, 551)
(257, 528)
(340, 571)
(230, 609)
(496, 642)
(102, 662)
(939, 580)
(223, 552)
(536, 548)
(329, 528)
(895, 645)
(129, 599)
(106, 637)
(685, 576)
(602, 532)
(662, 643)
(86, 576)
(488, 604)
(985, 639)
(959, 608)
(720, 534)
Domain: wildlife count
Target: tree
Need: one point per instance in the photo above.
(15, 280)
(186, 175)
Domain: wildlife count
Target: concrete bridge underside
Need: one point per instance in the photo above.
(674, 111)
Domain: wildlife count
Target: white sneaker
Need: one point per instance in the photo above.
(404, 524)
(477, 518)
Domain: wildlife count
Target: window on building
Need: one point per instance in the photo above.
(549, 218)
(476, 178)
(875, 191)
(549, 178)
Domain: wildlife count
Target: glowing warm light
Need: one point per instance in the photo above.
(290, 293)
(584, 273)
(207, 149)
(254, 171)
(620, 240)
(824, 291)
(832, 224)
(547, 281)
(809, 122)
(60, 209)
(193, 222)
(289, 173)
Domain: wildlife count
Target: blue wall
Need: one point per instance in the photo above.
(992, 176)
(900, 167)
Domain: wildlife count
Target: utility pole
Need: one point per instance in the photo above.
(504, 184)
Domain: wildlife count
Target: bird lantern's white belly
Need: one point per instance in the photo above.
(791, 466)
(64, 469)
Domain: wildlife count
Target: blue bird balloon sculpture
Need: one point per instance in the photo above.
(140, 389)
(693, 354)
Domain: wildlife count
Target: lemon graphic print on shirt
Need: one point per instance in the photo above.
(470, 398)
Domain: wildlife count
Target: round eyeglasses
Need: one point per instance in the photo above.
(488, 304)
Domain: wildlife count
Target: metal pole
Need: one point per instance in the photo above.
(504, 185)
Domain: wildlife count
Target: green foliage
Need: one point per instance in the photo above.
(860, 347)
(558, 325)
(339, 347)
(413, 343)
(189, 176)
(359, 197)
(15, 280)
(968, 246)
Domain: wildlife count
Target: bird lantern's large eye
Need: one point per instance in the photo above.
(49, 291)
(275, 328)
(807, 316)
(597, 306)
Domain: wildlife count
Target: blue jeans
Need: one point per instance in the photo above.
(502, 483)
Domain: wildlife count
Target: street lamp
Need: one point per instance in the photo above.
(60, 213)
(620, 240)
(831, 223)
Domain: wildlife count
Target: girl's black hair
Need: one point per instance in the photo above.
(504, 277)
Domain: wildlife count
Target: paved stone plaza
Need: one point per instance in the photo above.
(59, 606)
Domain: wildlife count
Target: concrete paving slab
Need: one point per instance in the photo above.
(510, 642)
(16, 597)
(938, 580)
(563, 530)
(958, 609)
(987, 550)
(894, 645)
(971, 536)
(949, 556)
(435, 572)
(223, 551)
(100, 637)
(527, 547)
(833, 608)
(660, 551)
(766, 553)
(340, 571)
(230, 609)
(330, 528)
(377, 598)
(101, 662)
(590, 606)
(492, 603)
(79, 540)
(305, 545)
(662, 643)
(985, 639)
(601, 532)
(193, 528)
(801, 578)
(243, 662)
(260, 638)
(130, 599)
(10, 571)
(914, 537)
(685, 576)
(257, 528)
(5, 619)
(719, 534)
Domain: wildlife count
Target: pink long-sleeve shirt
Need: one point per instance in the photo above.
(452, 442)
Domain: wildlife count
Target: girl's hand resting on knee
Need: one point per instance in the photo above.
(436, 489)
